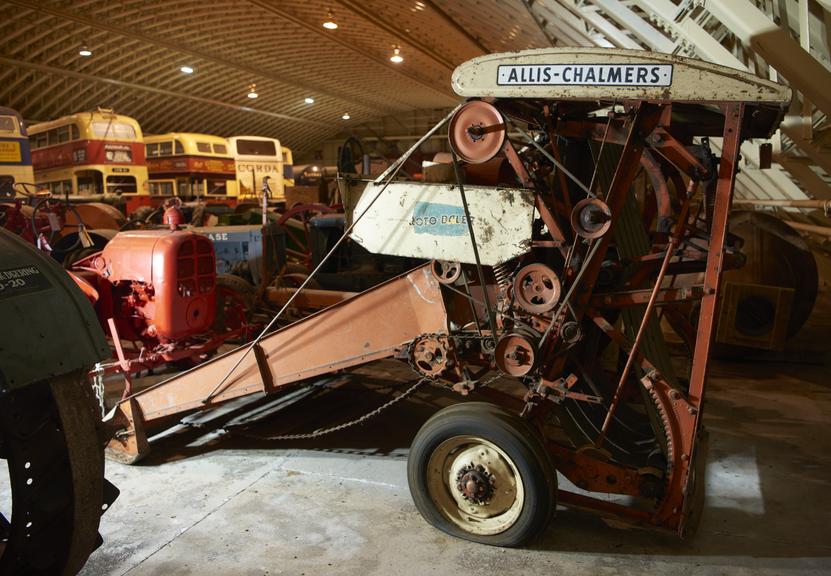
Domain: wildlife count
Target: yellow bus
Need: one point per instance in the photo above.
(258, 158)
(191, 166)
(91, 154)
(15, 155)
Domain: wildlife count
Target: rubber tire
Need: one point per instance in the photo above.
(52, 426)
(517, 439)
(239, 285)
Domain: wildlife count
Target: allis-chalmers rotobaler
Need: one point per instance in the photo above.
(554, 277)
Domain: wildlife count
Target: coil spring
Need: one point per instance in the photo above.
(503, 275)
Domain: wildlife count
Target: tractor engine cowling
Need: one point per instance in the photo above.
(165, 281)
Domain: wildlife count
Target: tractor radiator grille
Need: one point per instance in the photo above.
(195, 266)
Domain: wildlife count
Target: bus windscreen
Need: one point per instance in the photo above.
(256, 148)
(7, 124)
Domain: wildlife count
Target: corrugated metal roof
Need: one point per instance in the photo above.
(281, 47)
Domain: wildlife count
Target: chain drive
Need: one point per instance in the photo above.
(326, 431)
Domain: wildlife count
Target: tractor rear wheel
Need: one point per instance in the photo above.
(56, 474)
(480, 473)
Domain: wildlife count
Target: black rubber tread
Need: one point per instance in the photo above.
(141, 214)
(513, 435)
(237, 284)
(79, 412)
(56, 471)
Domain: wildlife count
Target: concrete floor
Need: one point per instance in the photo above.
(207, 503)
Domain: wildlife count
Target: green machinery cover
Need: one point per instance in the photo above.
(47, 326)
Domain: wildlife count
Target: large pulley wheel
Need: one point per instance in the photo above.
(591, 218)
(477, 132)
(56, 472)
(480, 473)
(537, 288)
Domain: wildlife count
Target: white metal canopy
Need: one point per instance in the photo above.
(607, 73)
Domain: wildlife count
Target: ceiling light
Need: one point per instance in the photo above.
(84, 51)
(186, 69)
(396, 56)
(309, 100)
(252, 91)
(346, 116)
(330, 23)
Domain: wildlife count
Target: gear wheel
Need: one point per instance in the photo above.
(665, 425)
(429, 355)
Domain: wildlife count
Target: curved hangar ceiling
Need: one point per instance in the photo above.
(188, 65)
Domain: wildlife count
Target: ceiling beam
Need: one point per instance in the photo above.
(642, 30)
(374, 19)
(592, 17)
(320, 31)
(777, 47)
(568, 32)
(458, 27)
(152, 89)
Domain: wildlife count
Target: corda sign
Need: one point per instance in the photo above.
(584, 75)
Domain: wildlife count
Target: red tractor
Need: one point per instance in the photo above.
(159, 291)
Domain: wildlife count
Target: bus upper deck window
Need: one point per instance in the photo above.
(75, 132)
(166, 148)
(62, 135)
(7, 124)
(39, 140)
(179, 148)
(151, 150)
(220, 149)
(203, 147)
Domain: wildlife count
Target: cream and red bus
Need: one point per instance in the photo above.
(191, 166)
(258, 158)
(91, 155)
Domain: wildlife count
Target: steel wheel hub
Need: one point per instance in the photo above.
(474, 484)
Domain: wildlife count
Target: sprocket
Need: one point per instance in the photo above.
(429, 355)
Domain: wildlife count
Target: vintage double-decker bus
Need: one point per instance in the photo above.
(15, 156)
(258, 158)
(91, 155)
(191, 166)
